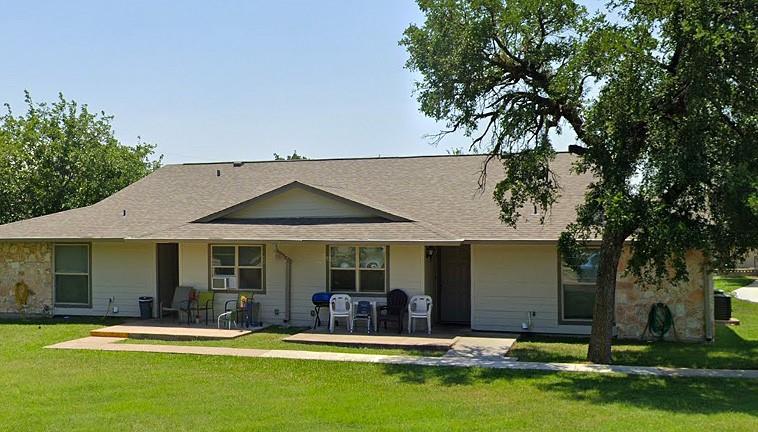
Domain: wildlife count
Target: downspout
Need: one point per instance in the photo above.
(708, 306)
(287, 283)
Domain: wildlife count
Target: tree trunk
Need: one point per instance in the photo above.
(605, 298)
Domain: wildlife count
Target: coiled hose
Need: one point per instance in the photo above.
(659, 322)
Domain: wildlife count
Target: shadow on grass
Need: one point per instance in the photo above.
(550, 349)
(730, 351)
(682, 395)
(447, 376)
(685, 395)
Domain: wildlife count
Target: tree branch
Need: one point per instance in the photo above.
(543, 32)
(479, 139)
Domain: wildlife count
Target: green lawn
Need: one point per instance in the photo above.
(736, 347)
(52, 390)
(731, 283)
(271, 338)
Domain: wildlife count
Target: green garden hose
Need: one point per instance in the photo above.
(659, 322)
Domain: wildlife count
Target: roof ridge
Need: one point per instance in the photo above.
(346, 158)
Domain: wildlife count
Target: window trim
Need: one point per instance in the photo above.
(55, 273)
(561, 301)
(237, 267)
(358, 269)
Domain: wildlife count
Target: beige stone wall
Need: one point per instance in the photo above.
(686, 301)
(30, 263)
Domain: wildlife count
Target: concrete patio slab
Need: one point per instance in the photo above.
(109, 344)
(433, 343)
(457, 342)
(167, 332)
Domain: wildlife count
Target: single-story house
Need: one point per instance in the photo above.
(283, 230)
(749, 263)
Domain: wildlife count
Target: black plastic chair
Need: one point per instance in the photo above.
(394, 310)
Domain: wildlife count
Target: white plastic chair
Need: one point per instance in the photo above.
(226, 318)
(340, 306)
(420, 307)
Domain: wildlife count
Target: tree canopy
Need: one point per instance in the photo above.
(659, 95)
(293, 156)
(60, 156)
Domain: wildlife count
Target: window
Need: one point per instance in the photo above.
(237, 267)
(72, 275)
(578, 288)
(357, 268)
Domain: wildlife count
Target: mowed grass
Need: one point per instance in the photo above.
(736, 347)
(272, 338)
(54, 390)
(731, 283)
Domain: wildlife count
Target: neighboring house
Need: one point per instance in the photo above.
(749, 263)
(360, 226)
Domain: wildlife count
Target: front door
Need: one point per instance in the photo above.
(168, 271)
(454, 295)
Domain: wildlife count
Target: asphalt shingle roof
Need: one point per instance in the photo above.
(439, 194)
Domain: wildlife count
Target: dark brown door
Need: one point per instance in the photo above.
(454, 296)
(168, 271)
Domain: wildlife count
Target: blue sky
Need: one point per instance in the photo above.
(232, 80)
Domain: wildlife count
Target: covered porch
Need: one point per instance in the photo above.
(289, 274)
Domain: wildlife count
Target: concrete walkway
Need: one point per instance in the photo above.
(485, 348)
(749, 292)
(109, 344)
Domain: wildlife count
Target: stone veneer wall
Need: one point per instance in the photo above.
(686, 301)
(30, 263)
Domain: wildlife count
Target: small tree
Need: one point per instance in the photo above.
(660, 98)
(61, 156)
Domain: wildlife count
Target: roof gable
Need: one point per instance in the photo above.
(298, 200)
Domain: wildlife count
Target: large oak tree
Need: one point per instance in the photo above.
(659, 95)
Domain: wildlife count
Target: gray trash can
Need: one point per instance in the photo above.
(145, 307)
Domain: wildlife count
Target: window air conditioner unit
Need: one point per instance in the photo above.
(224, 282)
